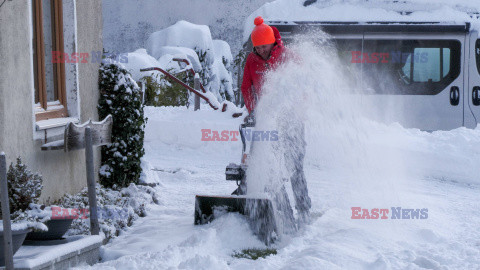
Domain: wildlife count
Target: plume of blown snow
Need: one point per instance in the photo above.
(312, 89)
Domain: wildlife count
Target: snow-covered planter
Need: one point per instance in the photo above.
(56, 229)
(57, 224)
(19, 231)
(120, 96)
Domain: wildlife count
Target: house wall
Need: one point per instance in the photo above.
(62, 172)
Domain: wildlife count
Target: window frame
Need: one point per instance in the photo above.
(45, 110)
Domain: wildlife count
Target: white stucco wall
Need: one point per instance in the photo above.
(62, 172)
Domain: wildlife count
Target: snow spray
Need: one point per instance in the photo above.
(313, 99)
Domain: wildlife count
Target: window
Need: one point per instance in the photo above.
(477, 53)
(433, 66)
(409, 67)
(50, 93)
(418, 67)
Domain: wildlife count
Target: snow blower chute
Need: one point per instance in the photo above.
(259, 211)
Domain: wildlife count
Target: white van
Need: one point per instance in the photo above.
(425, 74)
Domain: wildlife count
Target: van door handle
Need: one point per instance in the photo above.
(454, 95)
(476, 95)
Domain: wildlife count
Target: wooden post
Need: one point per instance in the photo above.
(92, 196)
(196, 86)
(7, 229)
(143, 92)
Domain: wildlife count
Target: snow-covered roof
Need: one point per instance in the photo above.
(451, 11)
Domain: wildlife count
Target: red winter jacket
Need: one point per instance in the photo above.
(255, 68)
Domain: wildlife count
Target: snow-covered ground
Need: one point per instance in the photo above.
(441, 177)
(351, 161)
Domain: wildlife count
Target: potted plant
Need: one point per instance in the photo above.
(57, 220)
(24, 187)
(19, 231)
(24, 190)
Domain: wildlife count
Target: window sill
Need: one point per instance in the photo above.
(54, 123)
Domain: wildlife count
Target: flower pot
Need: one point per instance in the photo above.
(18, 236)
(56, 229)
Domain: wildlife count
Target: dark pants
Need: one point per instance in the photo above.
(295, 146)
(292, 142)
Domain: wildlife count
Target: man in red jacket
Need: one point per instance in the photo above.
(268, 53)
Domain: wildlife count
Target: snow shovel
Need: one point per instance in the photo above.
(259, 211)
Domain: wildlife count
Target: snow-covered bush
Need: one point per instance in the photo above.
(137, 60)
(207, 75)
(239, 64)
(117, 209)
(213, 61)
(120, 96)
(24, 187)
(223, 69)
(159, 90)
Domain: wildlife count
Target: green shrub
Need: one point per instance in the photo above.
(161, 91)
(24, 187)
(254, 253)
(120, 96)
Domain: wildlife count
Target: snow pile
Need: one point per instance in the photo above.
(211, 59)
(361, 10)
(187, 39)
(182, 34)
(137, 60)
(167, 53)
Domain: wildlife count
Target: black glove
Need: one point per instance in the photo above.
(249, 120)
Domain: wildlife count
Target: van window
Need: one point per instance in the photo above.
(433, 66)
(477, 53)
(409, 67)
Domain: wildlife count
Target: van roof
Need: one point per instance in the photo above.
(333, 27)
(377, 15)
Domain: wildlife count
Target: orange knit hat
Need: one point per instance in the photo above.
(262, 34)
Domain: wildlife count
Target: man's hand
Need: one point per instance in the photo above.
(249, 120)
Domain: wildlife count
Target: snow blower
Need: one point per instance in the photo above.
(259, 211)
